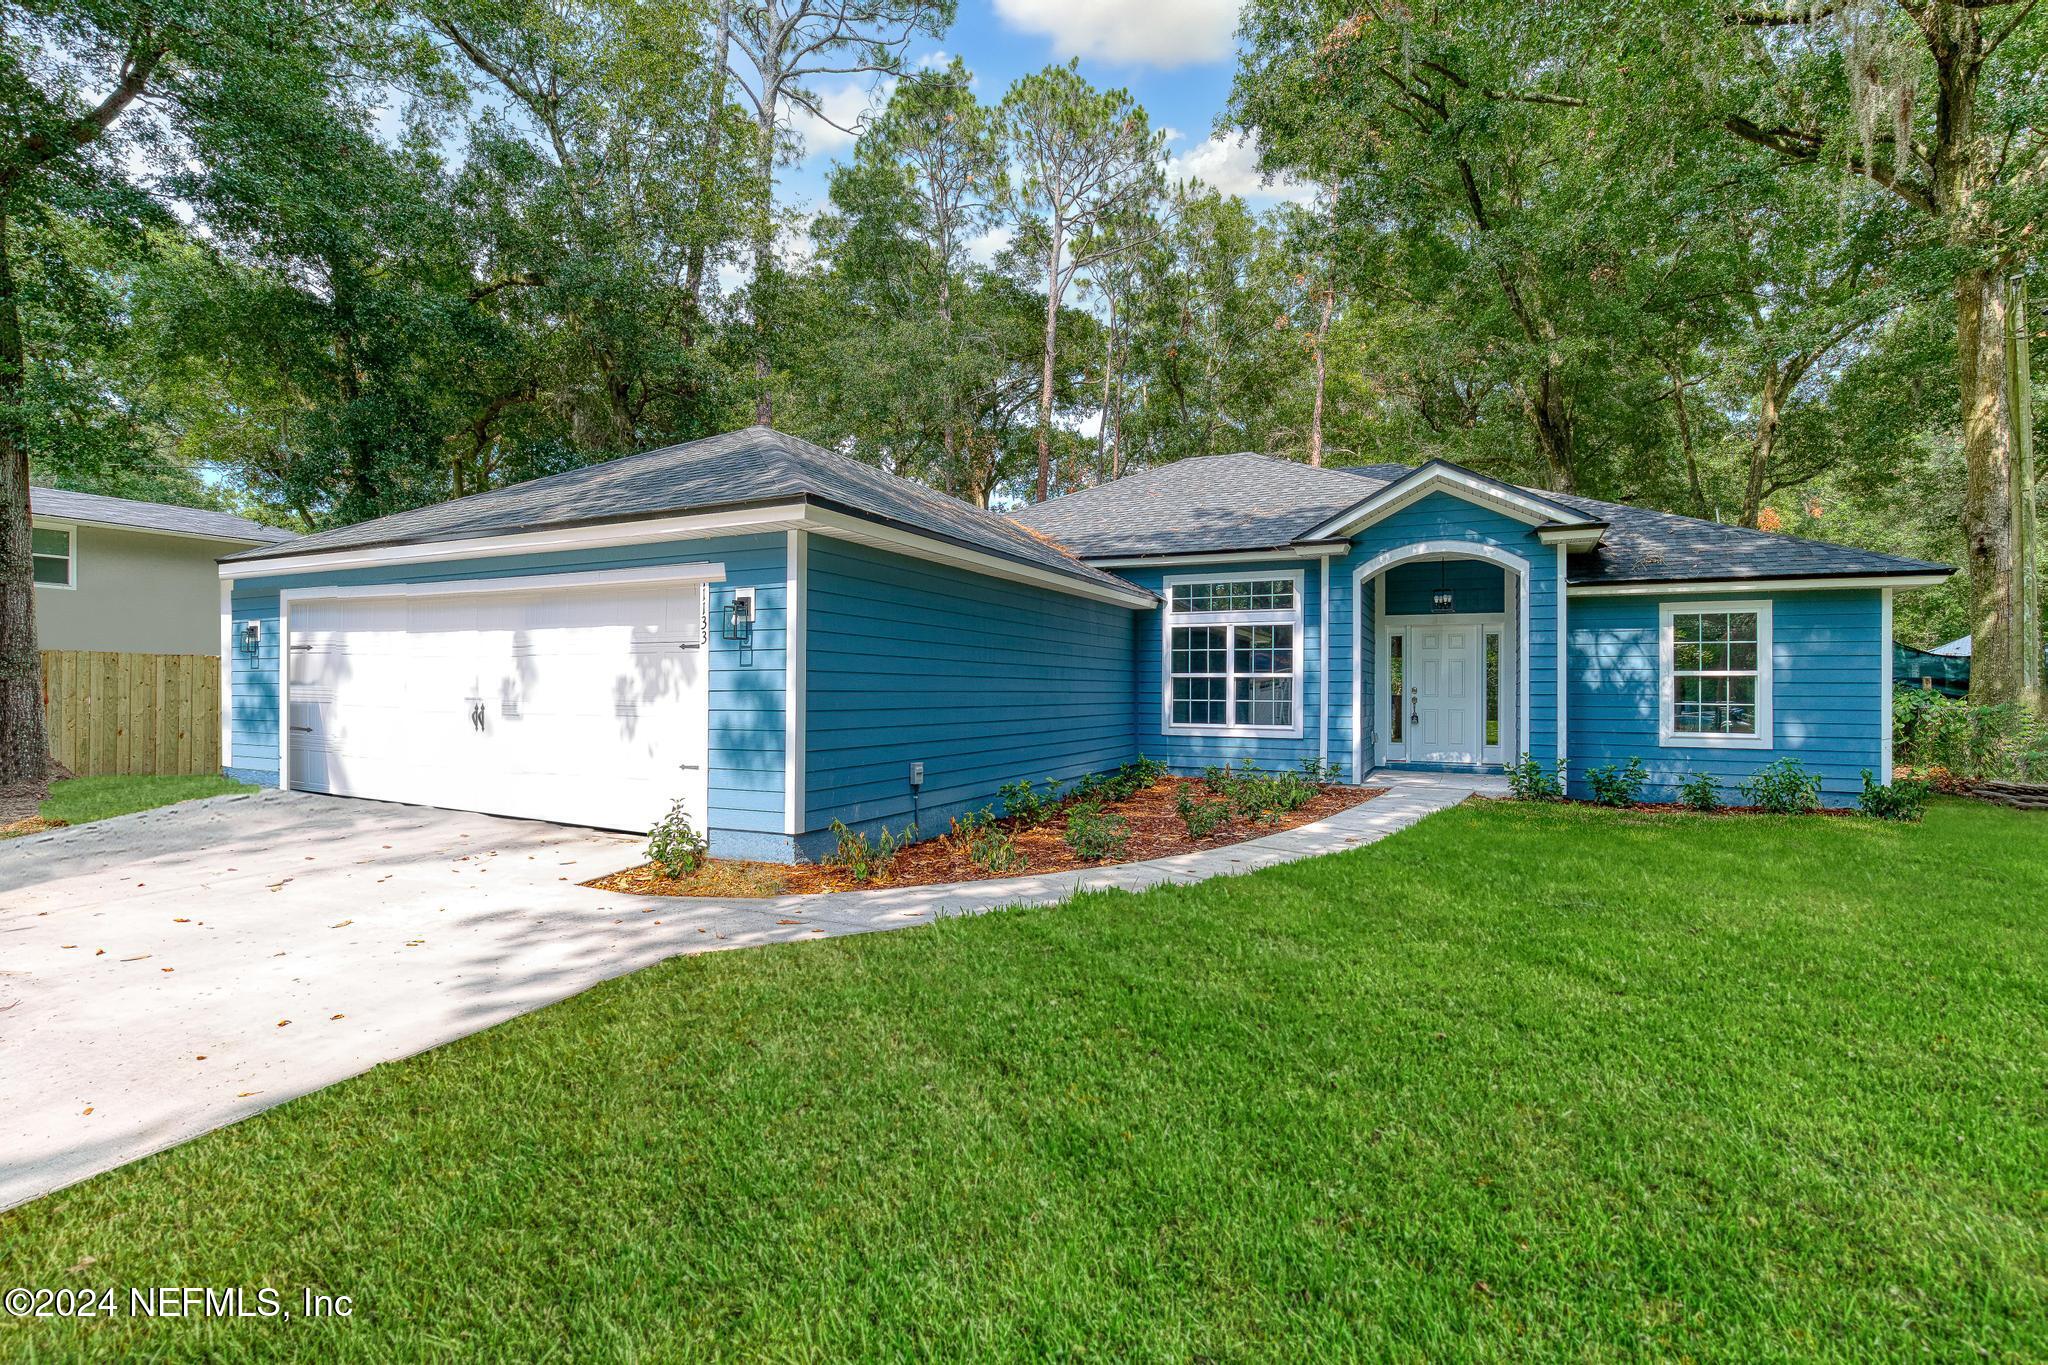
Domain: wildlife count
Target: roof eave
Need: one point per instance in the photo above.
(1930, 576)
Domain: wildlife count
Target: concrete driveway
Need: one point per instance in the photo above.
(166, 973)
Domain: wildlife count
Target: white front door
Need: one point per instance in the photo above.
(1443, 680)
(586, 706)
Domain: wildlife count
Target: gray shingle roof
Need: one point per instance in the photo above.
(63, 505)
(1224, 503)
(752, 467)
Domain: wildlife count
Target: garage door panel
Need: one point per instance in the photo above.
(580, 705)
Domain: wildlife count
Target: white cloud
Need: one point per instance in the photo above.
(989, 245)
(843, 102)
(937, 60)
(1231, 166)
(1161, 33)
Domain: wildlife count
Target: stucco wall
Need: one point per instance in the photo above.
(136, 593)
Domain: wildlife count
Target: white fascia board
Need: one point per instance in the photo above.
(1222, 557)
(1728, 585)
(695, 526)
(1572, 537)
(840, 526)
(650, 576)
(1503, 498)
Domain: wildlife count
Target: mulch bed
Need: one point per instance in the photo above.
(34, 824)
(1157, 831)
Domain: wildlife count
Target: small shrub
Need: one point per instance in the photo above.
(864, 861)
(1617, 785)
(1216, 779)
(1320, 771)
(1203, 817)
(1701, 791)
(1904, 799)
(1132, 778)
(675, 845)
(1783, 787)
(1096, 837)
(1023, 801)
(1527, 781)
(994, 850)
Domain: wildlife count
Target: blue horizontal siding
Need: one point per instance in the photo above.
(982, 680)
(1441, 517)
(1191, 753)
(1828, 711)
(747, 682)
(1474, 584)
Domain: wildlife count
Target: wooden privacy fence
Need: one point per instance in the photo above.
(132, 713)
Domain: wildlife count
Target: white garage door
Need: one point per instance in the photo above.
(585, 705)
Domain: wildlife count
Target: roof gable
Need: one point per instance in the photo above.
(1441, 476)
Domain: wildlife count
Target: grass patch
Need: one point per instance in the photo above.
(1524, 1081)
(79, 799)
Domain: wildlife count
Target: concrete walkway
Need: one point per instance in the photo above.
(167, 973)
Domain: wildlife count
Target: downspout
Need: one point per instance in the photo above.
(1323, 678)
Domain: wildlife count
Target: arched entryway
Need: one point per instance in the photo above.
(1448, 630)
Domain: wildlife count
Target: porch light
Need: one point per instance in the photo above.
(739, 617)
(1442, 600)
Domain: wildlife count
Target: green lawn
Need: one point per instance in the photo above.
(1521, 1082)
(79, 799)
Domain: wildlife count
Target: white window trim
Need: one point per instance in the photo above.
(70, 530)
(1668, 734)
(1171, 619)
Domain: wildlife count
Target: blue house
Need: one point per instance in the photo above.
(782, 637)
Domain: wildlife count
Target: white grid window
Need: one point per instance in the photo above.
(50, 555)
(1233, 657)
(1716, 662)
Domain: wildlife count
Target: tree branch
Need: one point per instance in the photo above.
(1799, 144)
(39, 148)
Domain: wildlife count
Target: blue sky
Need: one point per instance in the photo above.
(1176, 58)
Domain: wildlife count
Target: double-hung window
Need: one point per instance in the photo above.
(1715, 668)
(50, 556)
(1233, 654)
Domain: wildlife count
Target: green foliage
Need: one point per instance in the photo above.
(676, 846)
(1783, 787)
(863, 860)
(989, 846)
(1903, 798)
(1022, 801)
(1971, 741)
(1203, 816)
(1322, 773)
(1094, 836)
(1701, 791)
(1258, 795)
(1618, 784)
(1529, 781)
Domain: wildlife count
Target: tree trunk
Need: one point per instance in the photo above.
(1763, 447)
(1052, 321)
(2005, 622)
(1315, 417)
(694, 272)
(1102, 457)
(24, 740)
(1692, 461)
(1553, 427)
(764, 265)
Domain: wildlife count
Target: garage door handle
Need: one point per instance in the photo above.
(302, 729)
(689, 767)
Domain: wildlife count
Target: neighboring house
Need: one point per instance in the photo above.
(131, 577)
(1930, 670)
(784, 637)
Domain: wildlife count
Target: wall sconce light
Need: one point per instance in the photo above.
(739, 616)
(251, 637)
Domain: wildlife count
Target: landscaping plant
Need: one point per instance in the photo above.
(1023, 801)
(1904, 798)
(1203, 816)
(864, 861)
(1527, 780)
(1618, 785)
(1095, 836)
(1783, 787)
(675, 845)
(1701, 791)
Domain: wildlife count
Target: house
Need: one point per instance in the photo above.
(131, 577)
(784, 637)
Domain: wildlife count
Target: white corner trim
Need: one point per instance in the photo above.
(1885, 692)
(1433, 549)
(528, 542)
(1564, 672)
(1323, 674)
(652, 575)
(1436, 478)
(1721, 585)
(284, 691)
(795, 626)
(226, 690)
(1668, 735)
(1295, 617)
